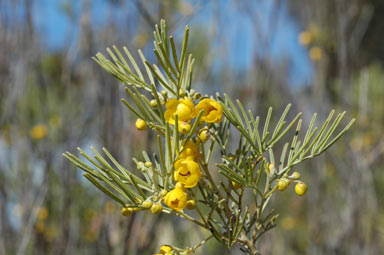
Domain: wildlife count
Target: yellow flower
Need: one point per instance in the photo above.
(38, 132)
(176, 199)
(191, 151)
(184, 127)
(183, 108)
(305, 38)
(213, 110)
(187, 172)
(300, 188)
(140, 124)
(164, 249)
(315, 53)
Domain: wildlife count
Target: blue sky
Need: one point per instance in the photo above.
(57, 29)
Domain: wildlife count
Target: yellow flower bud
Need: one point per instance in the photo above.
(153, 103)
(295, 175)
(181, 93)
(140, 165)
(300, 188)
(187, 172)
(126, 211)
(148, 164)
(204, 135)
(164, 93)
(271, 168)
(176, 199)
(282, 184)
(147, 204)
(191, 204)
(213, 111)
(165, 249)
(163, 193)
(140, 124)
(156, 208)
(183, 108)
(184, 127)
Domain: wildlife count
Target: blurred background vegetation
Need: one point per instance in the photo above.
(317, 55)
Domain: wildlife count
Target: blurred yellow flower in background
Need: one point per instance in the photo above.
(305, 38)
(42, 214)
(38, 132)
(40, 227)
(315, 53)
(288, 223)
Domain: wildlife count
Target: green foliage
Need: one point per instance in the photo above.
(221, 206)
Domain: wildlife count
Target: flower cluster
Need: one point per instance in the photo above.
(187, 170)
(283, 183)
(186, 111)
(183, 120)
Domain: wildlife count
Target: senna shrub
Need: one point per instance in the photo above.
(231, 206)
